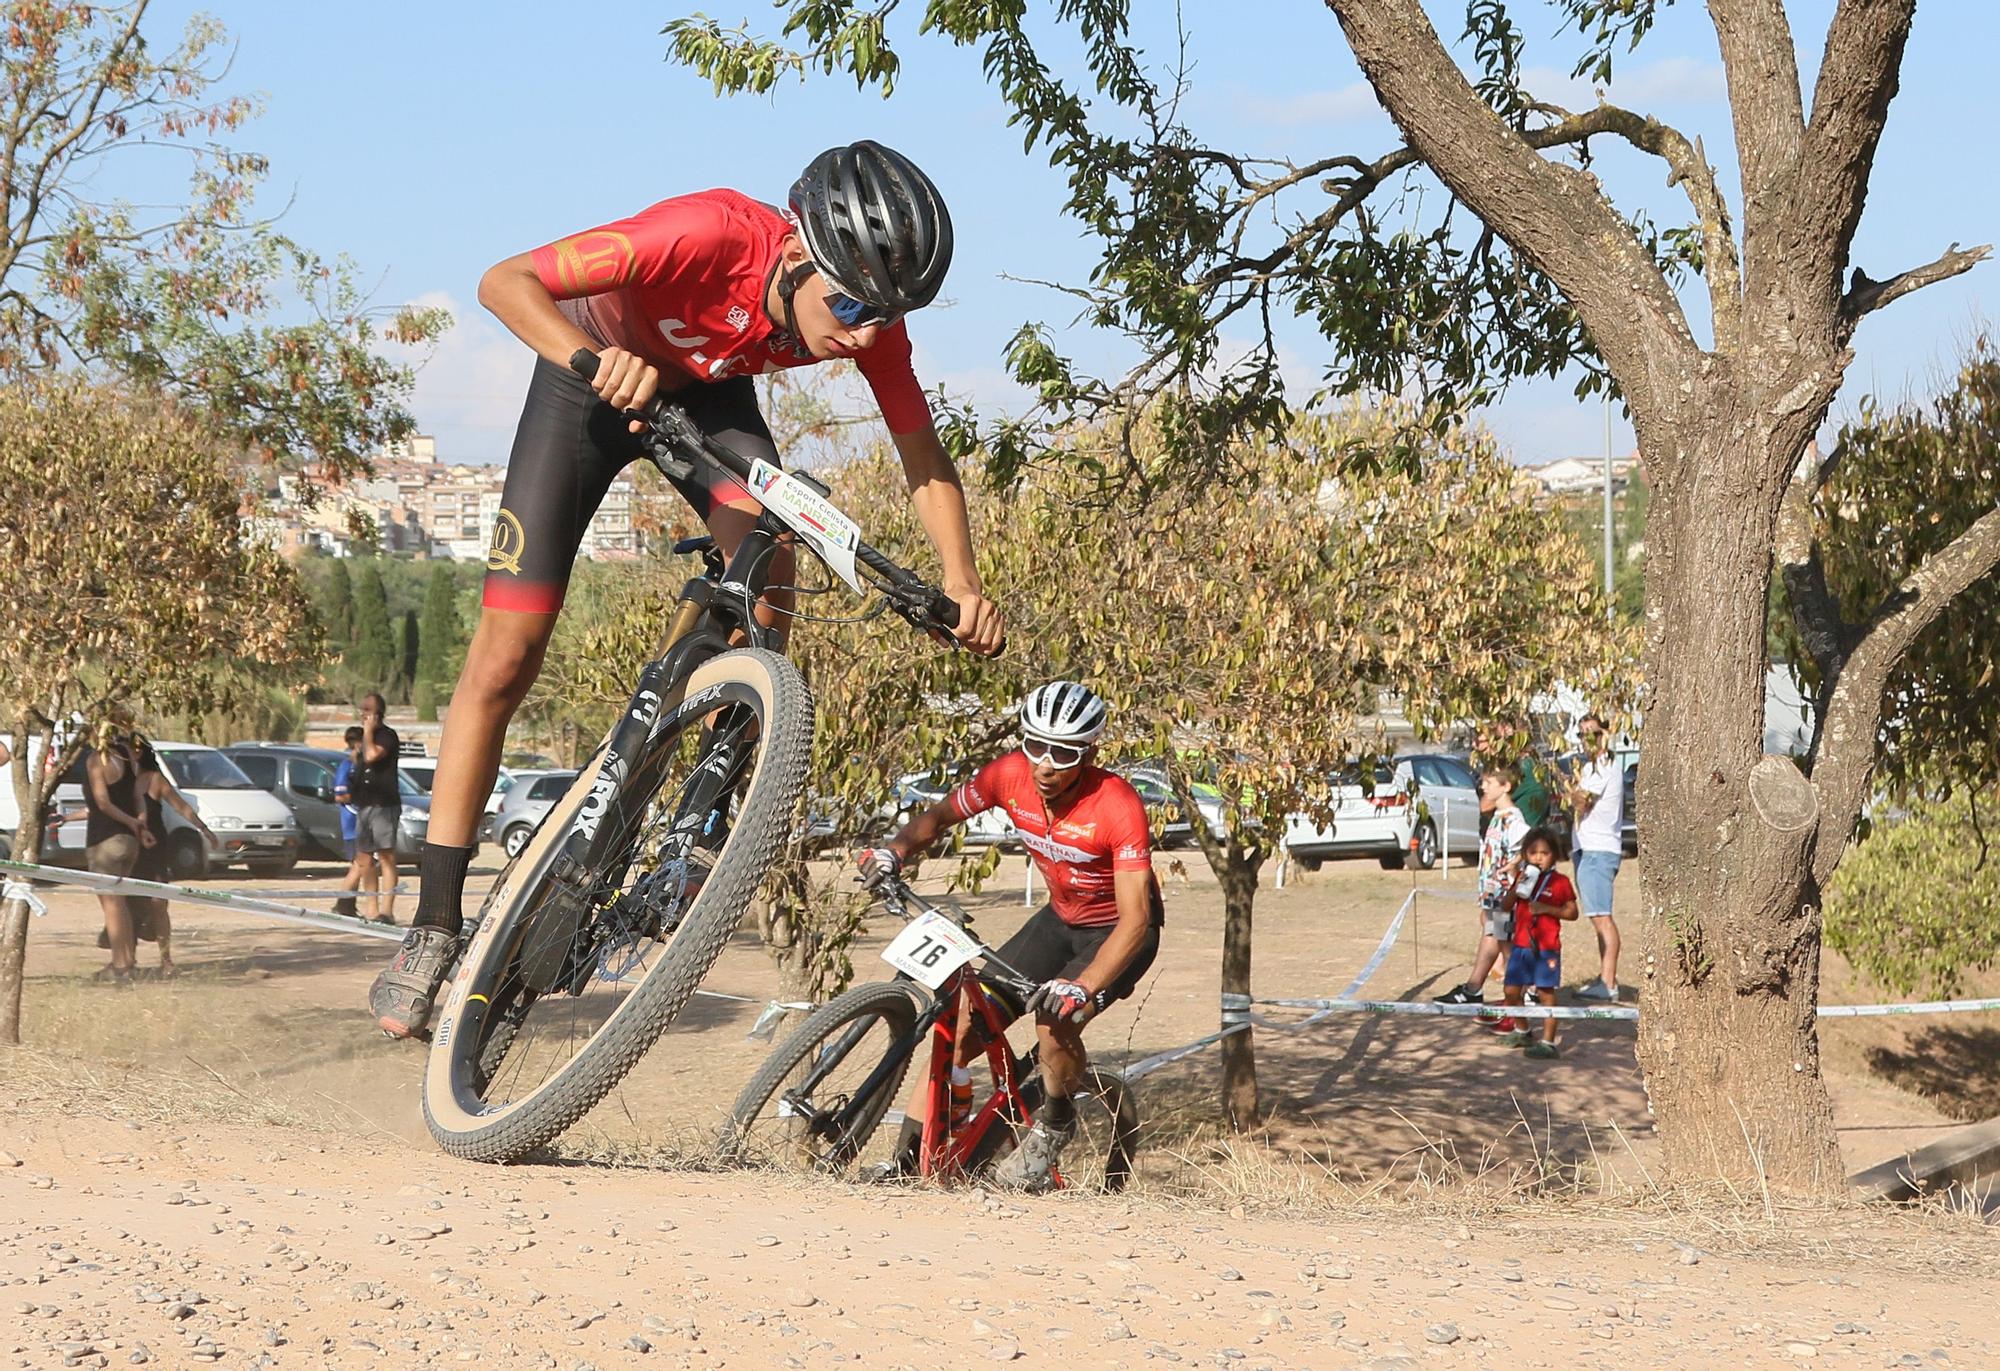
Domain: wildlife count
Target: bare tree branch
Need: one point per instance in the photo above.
(1864, 295)
(1844, 751)
(1554, 216)
(1857, 79)
(1769, 112)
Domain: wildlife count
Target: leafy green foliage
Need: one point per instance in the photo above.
(1196, 240)
(371, 658)
(277, 345)
(441, 641)
(1905, 482)
(1917, 905)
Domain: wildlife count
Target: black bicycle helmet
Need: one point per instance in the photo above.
(875, 225)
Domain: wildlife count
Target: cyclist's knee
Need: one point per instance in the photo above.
(505, 656)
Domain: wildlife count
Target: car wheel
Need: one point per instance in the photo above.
(1393, 861)
(282, 867)
(514, 839)
(186, 857)
(1425, 854)
(1310, 863)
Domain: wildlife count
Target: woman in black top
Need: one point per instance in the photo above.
(114, 833)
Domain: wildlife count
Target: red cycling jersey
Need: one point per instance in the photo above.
(1102, 830)
(682, 284)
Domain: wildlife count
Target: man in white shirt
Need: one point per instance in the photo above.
(1597, 799)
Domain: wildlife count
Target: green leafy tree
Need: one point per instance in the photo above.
(372, 657)
(128, 578)
(1246, 637)
(336, 602)
(406, 658)
(1521, 266)
(200, 299)
(1904, 485)
(1917, 906)
(441, 638)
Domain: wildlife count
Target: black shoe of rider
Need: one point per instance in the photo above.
(404, 995)
(1458, 994)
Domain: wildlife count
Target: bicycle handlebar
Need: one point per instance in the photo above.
(895, 892)
(921, 604)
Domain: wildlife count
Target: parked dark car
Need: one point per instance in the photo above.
(302, 777)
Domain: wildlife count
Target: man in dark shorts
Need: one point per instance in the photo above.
(692, 297)
(378, 800)
(1088, 834)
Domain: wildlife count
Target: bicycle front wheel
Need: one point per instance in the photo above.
(578, 965)
(811, 1107)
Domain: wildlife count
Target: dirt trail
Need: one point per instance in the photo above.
(274, 1247)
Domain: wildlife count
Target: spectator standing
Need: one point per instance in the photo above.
(343, 799)
(1499, 860)
(1531, 793)
(378, 800)
(1597, 798)
(114, 832)
(1546, 900)
(150, 919)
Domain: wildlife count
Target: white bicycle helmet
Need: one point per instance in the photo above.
(1062, 712)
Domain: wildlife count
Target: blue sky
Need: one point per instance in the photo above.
(430, 140)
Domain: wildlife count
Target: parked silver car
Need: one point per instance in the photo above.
(302, 778)
(532, 796)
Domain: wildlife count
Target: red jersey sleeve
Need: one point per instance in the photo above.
(894, 380)
(1127, 832)
(1558, 890)
(986, 788)
(677, 240)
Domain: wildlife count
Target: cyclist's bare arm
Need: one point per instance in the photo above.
(1134, 890)
(517, 298)
(919, 835)
(939, 499)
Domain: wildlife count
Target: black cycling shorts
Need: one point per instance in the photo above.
(569, 448)
(1046, 949)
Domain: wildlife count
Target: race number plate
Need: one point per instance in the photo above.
(930, 949)
(811, 515)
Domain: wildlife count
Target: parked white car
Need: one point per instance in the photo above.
(1409, 812)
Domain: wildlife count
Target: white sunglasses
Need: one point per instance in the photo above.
(1059, 755)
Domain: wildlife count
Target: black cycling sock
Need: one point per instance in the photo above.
(1059, 1114)
(441, 872)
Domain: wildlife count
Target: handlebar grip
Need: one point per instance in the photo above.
(584, 363)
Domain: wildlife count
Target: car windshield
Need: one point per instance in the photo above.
(203, 768)
(1351, 775)
(406, 786)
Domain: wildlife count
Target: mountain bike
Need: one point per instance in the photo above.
(819, 1100)
(600, 929)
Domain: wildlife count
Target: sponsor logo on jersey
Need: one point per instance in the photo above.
(509, 541)
(739, 318)
(675, 332)
(587, 263)
(1055, 851)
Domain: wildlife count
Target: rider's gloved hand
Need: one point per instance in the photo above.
(1062, 1000)
(878, 864)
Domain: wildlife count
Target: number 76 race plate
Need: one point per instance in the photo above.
(930, 948)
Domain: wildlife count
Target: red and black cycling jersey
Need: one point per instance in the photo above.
(1101, 830)
(683, 284)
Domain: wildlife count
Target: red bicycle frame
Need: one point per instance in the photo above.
(945, 1150)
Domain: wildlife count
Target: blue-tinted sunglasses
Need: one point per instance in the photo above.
(858, 313)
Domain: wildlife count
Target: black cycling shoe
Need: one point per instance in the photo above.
(1458, 994)
(406, 992)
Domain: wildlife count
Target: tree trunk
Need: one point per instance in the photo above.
(1730, 931)
(14, 923)
(1239, 1052)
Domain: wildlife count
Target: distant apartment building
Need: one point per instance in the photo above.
(421, 506)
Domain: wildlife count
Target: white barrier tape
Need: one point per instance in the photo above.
(399, 890)
(766, 1026)
(312, 918)
(1430, 1008)
(25, 893)
(1863, 1011)
(1153, 1063)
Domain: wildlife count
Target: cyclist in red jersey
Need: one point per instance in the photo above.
(1089, 946)
(693, 297)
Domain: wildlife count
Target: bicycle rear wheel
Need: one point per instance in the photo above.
(801, 1111)
(1098, 1158)
(576, 968)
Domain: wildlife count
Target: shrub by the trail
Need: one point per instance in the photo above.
(1917, 906)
